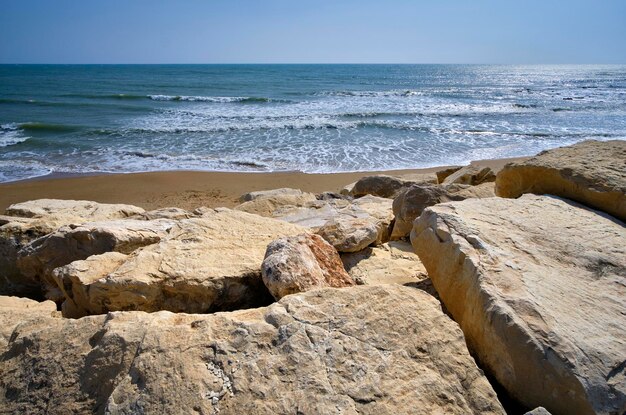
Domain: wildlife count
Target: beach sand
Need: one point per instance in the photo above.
(185, 189)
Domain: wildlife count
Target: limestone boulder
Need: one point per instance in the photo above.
(388, 186)
(300, 263)
(350, 234)
(472, 175)
(360, 350)
(172, 213)
(27, 221)
(38, 259)
(264, 203)
(71, 211)
(591, 172)
(390, 263)
(479, 191)
(202, 265)
(537, 285)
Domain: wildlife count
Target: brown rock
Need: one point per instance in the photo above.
(472, 175)
(301, 263)
(442, 174)
(592, 173)
(537, 285)
(359, 350)
(388, 186)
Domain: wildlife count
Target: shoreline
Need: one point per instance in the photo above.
(188, 189)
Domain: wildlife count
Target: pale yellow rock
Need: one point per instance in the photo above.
(30, 220)
(361, 350)
(16, 310)
(591, 172)
(202, 265)
(165, 213)
(264, 203)
(39, 258)
(390, 263)
(537, 285)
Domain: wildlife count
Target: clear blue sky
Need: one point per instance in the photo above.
(308, 31)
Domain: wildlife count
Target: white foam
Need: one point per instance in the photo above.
(11, 134)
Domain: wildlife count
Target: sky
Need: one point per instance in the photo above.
(313, 31)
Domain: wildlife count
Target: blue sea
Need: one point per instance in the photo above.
(311, 118)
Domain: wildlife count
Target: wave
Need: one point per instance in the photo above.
(106, 96)
(10, 134)
(45, 127)
(352, 93)
(211, 99)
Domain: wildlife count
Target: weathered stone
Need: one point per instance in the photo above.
(410, 203)
(591, 172)
(71, 211)
(74, 242)
(479, 191)
(360, 350)
(266, 202)
(300, 263)
(390, 263)
(31, 220)
(349, 234)
(203, 265)
(172, 213)
(388, 186)
(472, 175)
(538, 411)
(537, 285)
(14, 310)
(442, 174)
(347, 189)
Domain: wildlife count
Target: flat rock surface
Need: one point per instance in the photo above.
(204, 264)
(360, 350)
(538, 286)
(390, 263)
(591, 172)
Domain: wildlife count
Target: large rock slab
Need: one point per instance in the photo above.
(360, 350)
(30, 220)
(300, 263)
(391, 263)
(13, 311)
(39, 258)
(591, 172)
(203, 265)
(537, 285)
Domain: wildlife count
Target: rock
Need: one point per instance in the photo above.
(538, 411)
(360, 350)
(74, 242)
(472, 175)
(266, 202)
(347, 189)
(390, 263)
(203, 265)
(410, 203)
(387, 186)
(330, 196)
(14, 310)
(300, 263)
(480, 191)
(71, 211)
(272, 193)
(172, 213)
(537, 285)
(442, 174)
(349, 234)
(591, 172)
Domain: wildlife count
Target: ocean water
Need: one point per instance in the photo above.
(311, 118)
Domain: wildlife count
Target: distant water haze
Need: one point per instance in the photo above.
(311, 118)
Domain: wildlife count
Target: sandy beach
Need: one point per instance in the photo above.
(185, 189)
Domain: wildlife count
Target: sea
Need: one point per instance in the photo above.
(59, 119)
